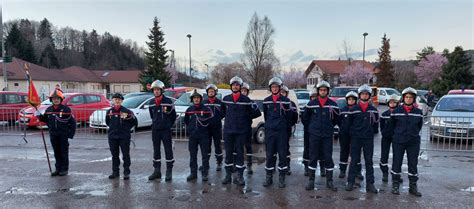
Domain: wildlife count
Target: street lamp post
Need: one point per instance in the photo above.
(363, 53)
(190, 66)
(207, 71)
(173, 67)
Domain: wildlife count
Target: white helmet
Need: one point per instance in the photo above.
(364, 88)
(409, 90)
(158, 84)
(314, 92)
(394, 98)
(246, 86)
(352, 94)
(211, 86)
(323, 83)
(285, 88)
(195, 94)
(236, 79)
(275, 80)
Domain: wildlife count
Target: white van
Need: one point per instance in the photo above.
(385, 93)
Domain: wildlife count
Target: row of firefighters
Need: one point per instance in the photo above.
(358, 122)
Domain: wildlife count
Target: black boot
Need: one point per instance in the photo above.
(288, 171)
(240, 177)
(306, 169)
(342, 171)
(55, 173)
(204, 176)
(414, 189)
(384, 169)
(155, 175)
(219, 166)
(322, 170)
(63, 173)
(114, 175)
(249, 165)
(371, 188)
(268, 179)
(169, 174)
(228, 175)
(192, 176)
(310, 185)
(350, 186)
(329, 181)
(281, 180)
(395, 187)
(126, 174)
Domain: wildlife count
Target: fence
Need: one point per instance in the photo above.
(438, 133)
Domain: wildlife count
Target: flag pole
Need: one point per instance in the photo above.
(45, 147)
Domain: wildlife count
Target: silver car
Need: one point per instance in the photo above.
(453, 118)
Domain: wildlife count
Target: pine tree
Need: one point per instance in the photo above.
(48, 55)
(17, 46)
(424, 52)
(385, 76)
(456, 73)
(155, 57)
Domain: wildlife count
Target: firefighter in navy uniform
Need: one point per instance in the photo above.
(363, 121)
(294, 119)
(120, 121)
(277, 112)
(62, 126)
(248, 140)
(387, 135)
(237, 109)
(197, 118)
(344, 133)
(406, 121)
(215, 124)
(313, 96)
(322, 114)
(163, 117)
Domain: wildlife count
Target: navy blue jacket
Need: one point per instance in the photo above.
(294, 115)
(60, 121)
(363, 124)
(321, 120)
(406, 126)
(216, 108)
(344, 127)
(120, 122)
(278, 115)
(163, 116)
(238, 115)
(387, 131)
(197, 119)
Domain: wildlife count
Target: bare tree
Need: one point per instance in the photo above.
(346, 50)
(294, 78)
(259, 58)
(222, 73)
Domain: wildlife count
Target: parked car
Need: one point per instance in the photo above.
(453, 117)
(258, 124)
(303, 98)
(134, 94)
(81, 104)
(461, 91)
(176, 92)
(385, 93)
(340, 92)
(10, 104)
(137, 104)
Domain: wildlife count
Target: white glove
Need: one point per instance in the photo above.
(37, 113)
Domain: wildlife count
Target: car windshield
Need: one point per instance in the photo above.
(134, 102)
(341, 92)
(136, 94)
(392, 92)
(456, 104)
(47, 102)
(302, 95)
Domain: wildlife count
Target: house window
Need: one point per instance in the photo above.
(16, 84)
(117, 88)
(126, 88)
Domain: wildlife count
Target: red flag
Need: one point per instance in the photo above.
(33, 98)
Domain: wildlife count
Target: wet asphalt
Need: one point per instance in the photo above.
(446, 180)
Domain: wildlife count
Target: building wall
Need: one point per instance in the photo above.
(124, 87)
(313, 78)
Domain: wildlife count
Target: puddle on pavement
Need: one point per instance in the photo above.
(101, 160)
(181, 195)
(17, 190)
(73, 191)
(469, 189)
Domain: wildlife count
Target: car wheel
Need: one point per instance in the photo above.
(260, 135)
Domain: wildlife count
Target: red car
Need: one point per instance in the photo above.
(176, 91)
(10, 103)
(81, 104)
(340, 92)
